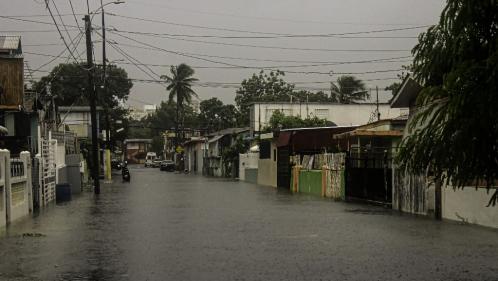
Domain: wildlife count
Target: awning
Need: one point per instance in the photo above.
(367, 133)
(283, 139)
(216, 138)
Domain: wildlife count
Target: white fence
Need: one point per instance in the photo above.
(16, 198)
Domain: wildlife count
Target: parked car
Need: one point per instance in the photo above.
(157, 163)
(149, 159)
(167, 165)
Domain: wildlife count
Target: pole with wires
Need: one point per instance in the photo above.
(92, 95)
(108, 174)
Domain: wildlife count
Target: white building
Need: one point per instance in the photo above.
(340, 114)
(78, 119)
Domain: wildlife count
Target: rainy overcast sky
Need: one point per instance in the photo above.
(194, 20)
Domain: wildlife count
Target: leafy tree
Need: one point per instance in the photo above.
(394, 87)
(455, 132)
(270, 87)
(230, 155)
(68, 84)
(261, 87)
(349, 89)
(180, 88)
(280, 121)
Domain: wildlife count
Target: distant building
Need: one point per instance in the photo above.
(139, 114)
(78, 119)
(340, 114)
(135, 150)
(150, 109)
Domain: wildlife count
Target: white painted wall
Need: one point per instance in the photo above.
(247, 160)
(340, 114)
(469, 205)
(18, 199)
(267, 169)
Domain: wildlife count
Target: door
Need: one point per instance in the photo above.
(283, 167)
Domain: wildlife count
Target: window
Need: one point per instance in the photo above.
(265, 150)
(322, 113)
(274, 155)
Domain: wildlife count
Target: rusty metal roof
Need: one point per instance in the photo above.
(9, 43)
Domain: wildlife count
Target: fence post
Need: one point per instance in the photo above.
(8, 201)
(25, 157)
(295, 182)
(4, 161)
(324, 180)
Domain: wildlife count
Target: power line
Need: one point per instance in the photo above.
(115, 31)
(59, 31)
(382, 60)
(65, 28)
(269, 18)
(261, 32)
(74, 15)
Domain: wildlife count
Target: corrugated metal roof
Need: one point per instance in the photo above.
(9, 42)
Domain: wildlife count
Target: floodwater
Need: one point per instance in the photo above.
(166, 226)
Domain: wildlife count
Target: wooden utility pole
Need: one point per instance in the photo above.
(93, 106)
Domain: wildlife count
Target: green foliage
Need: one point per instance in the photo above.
(455, 132)
(230, 154)
(271, 87)
(180, 87)
(69, 83)
(280, 121)
(394, 87)
(348, 89)
(214, 115)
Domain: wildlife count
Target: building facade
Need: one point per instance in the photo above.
(339, 114)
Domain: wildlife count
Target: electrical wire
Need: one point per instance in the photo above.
(382, 60)
(65, 28)
(261, 32)
(59, 31)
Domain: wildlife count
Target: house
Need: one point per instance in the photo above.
(217, 143)
(194, 151)
(78, 120)
(369, 156)
(135, 150)
(20, 123)
(295, 146)
(418, 193)
(339, 114)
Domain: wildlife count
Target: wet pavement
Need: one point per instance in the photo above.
(165, 226)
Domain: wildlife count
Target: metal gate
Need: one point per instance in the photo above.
(47, 172)
(283, 167)
(369, 177)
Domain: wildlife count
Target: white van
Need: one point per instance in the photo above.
(149, 159)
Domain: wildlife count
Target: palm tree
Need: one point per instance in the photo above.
(348, 89)
(180, 88)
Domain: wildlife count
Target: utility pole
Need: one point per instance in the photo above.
(378, 112)
(108, 176)
(93, 107)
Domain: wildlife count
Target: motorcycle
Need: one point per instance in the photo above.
(125, 173)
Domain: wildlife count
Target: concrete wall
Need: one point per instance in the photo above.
(340, 114)
(251, 175)
(247, 161)
(267, 169)
(469, 205)
(19, 193)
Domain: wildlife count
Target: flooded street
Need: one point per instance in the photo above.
(166, 226)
